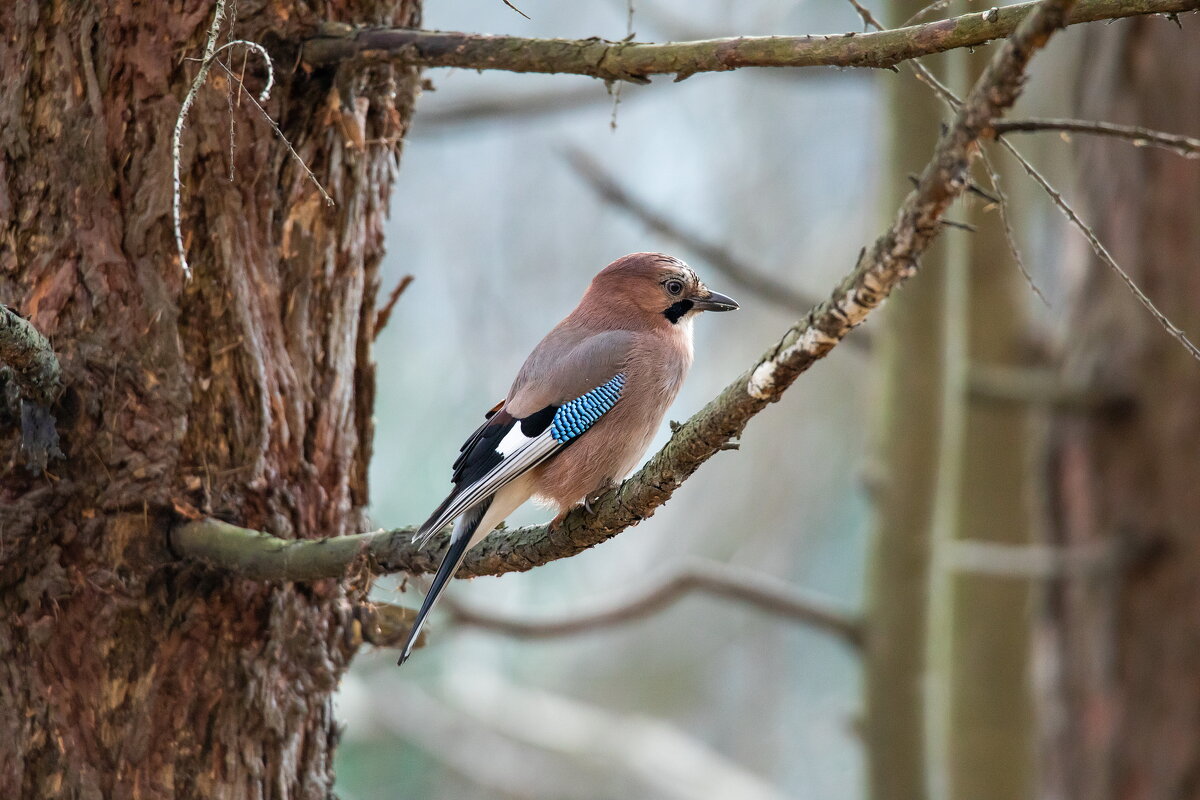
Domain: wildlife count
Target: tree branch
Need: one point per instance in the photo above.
(764, 592)
(1186, 146)
(893, 258)
(633, 61)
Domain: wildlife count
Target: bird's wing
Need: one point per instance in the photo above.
(540, 417)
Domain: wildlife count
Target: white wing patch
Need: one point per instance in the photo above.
(512, 440)
(523, 458)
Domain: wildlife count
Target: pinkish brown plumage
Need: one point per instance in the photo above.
(584, 406)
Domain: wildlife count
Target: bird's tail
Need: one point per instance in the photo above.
(460, 541)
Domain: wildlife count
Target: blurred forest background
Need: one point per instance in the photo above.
(924, 481)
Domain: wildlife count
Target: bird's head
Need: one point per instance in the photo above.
(654, 287)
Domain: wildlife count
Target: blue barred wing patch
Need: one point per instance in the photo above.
(576, 416)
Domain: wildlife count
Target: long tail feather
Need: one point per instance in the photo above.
(460, 541)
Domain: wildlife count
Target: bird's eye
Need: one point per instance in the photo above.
(674, 287)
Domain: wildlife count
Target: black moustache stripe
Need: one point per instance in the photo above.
(676, 311)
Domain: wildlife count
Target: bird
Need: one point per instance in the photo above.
(582, 410)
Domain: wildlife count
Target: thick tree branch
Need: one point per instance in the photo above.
(893, 258)
(30, 358)
(633, 61)
(763, 592)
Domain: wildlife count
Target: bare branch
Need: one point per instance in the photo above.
(634, 61)
(1031, 561)
(261, 556)
(1010, 236)
(762, 284)
(514, 8)
(275, 126)
(210, 47)
(1102, 252)
(892, 259)
(994, 383)
(385, 313)
(764, 592)
(523, 107)
(1186, 146)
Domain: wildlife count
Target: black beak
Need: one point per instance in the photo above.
(714, 302)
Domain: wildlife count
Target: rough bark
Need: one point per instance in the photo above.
(245, 393)
(1127, 643)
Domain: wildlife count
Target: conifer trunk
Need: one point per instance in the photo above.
(245, 393)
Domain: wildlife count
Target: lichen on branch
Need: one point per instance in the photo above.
(634, 61)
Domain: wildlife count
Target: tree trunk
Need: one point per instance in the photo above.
(245, 393)
(980, 703)
(910, 352)
(1127, 641)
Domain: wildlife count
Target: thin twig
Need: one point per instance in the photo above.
(936, 5)
(275, 127)
(514, 8)
(764, 592)
(1010, 235)
(881, 268)
(206, 63)
(635, 61)
(868, 19)
(1102, 252)
(385, 313)
(211, 51)
(1186, 146)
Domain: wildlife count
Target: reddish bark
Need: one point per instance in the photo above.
(246, 393)
(1128, 643)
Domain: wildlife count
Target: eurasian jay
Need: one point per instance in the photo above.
(582, 410)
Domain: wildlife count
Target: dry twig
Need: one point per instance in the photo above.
(1102, 252)
(1186, 146)
(1010, 235)
(763, 592)
(385, 313)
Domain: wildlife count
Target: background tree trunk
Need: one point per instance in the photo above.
(1127, 642)
(245, 393)
(980, 704)
(910, 349)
